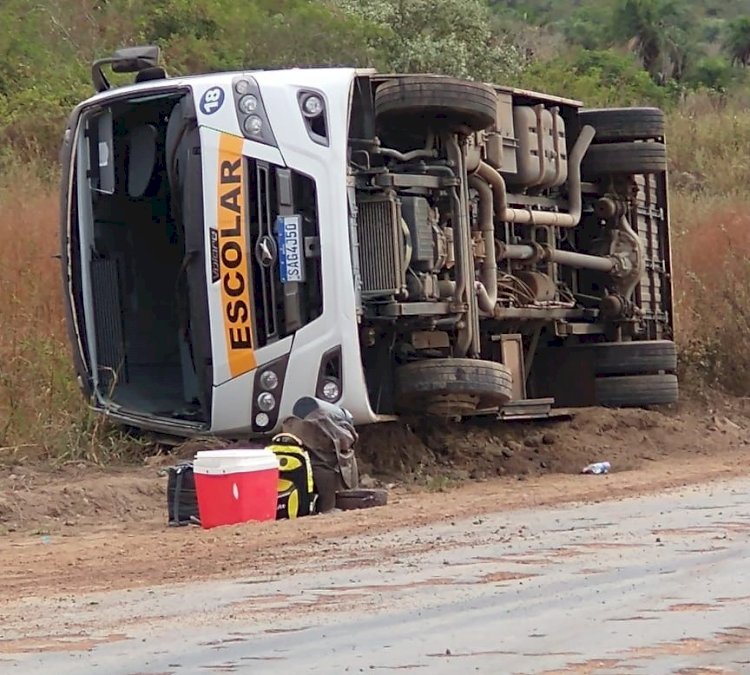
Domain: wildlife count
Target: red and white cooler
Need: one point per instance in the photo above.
(236, 486)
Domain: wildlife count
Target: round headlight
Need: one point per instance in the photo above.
(262, 420)
(248, 104)
(266, 401)
(331, 390)
(253, 125)
(242, 87)
(269, 380)
(312, 106)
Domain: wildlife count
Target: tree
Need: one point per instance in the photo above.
(658, 32)
(450, 37)
(588, 26)
(737, 41)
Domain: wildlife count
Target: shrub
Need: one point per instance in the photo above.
(599, 78)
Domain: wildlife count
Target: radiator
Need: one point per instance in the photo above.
(381, 246)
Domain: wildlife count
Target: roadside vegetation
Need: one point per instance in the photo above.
(688, 57)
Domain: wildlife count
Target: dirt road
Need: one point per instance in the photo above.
(79, 528)
(651, 585)
(94, 581)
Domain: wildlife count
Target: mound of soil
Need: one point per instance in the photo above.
(435, 453)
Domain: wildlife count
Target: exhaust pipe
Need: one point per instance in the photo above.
(547, 218)
(468, 334)
(486, 288)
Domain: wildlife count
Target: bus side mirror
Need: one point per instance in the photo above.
(125, 60)
(135, 59)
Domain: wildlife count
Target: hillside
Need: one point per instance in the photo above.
(602, 51)
(684, 42)
(545, 12)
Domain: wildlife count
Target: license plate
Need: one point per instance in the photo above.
(291, 253)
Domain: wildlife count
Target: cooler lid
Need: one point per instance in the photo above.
(239, 461)
(219, 457)
(232, 453)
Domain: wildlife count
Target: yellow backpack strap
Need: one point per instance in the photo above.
(285, 438)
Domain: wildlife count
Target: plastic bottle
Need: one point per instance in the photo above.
(597, 468)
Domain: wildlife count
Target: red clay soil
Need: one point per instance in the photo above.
(85, 528)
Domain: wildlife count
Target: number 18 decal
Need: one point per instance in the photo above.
(212, 100)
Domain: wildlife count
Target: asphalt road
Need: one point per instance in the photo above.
(650, 585)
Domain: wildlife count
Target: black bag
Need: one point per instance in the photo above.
(182, 504)
(327, 432)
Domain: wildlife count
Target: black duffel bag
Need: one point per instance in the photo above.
(182, 503)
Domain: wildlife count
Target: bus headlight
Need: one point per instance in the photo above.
(269, 380)
(242, 87)
(330, 384)
(248, 104)
(251, 113)
(268, 397)
(331, 390)
(312, 105)
(266, 401)
(253, 125)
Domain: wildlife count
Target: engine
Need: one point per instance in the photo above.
(406, 228)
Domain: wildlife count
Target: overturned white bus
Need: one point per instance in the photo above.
(396, 244)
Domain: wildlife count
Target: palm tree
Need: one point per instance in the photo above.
(737, 41)
(657, 31)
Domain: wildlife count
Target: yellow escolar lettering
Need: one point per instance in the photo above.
(233, 267)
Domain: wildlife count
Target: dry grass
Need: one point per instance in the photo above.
(708, 140)
(709, 148)
(43, 413)
(712, 283)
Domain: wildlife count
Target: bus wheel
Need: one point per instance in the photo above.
(639, 357)
(636, 391)
(451, 387)
(455, 105)
(624, 159)
(615, 125)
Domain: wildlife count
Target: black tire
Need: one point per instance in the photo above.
(438, 101)
(636, 391)
(348, 500)
(633, 358)
(624, 124)
(624, 158)
(471, 384)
